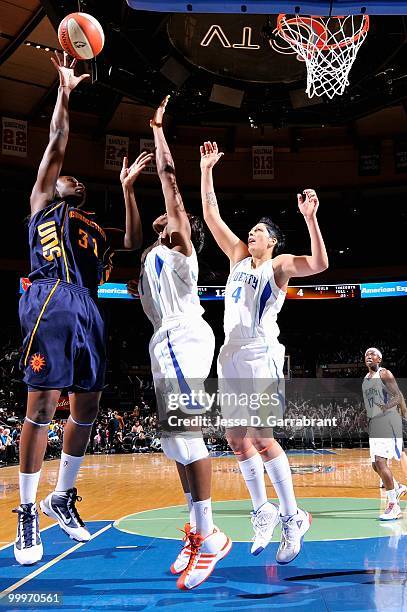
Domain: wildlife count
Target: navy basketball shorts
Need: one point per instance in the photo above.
(64, 337)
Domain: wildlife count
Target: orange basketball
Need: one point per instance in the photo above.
(81, 35)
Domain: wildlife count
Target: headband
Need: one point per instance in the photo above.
(375, 350)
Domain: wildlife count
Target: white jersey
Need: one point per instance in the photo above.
(375, 394)
(168, 285)
(252, 302)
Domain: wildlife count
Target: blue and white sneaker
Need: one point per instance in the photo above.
(61, 507)
(293, 529)
(27, 546)
(264, 521)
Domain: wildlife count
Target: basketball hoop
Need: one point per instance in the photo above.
(327, 45)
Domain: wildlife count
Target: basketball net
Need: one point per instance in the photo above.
(327, 45)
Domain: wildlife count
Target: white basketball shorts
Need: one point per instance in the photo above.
(181, 353)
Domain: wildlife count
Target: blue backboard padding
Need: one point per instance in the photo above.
(307, 7)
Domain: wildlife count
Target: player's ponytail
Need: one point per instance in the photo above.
(197, 232)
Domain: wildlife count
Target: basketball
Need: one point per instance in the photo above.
(81, 35)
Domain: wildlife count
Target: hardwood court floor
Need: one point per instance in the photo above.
(113, 486)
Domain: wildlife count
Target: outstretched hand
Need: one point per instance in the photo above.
(209, 154)
(129, 175)
(66, 70)
(308, 203)
(157, 120)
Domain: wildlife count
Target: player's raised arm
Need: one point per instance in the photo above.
(231, 245)
(288, 266)
(52, 160)
(133, 236)
(178, 226)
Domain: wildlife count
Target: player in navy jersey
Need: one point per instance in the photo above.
(63, 327)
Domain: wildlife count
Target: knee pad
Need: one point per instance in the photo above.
(81, 424)
(184, 450)
(37, 424)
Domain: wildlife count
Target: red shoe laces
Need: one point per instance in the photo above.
(195, 540)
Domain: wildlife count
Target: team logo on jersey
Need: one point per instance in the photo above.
(37, 362)
(49, 240)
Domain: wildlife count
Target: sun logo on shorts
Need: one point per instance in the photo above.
(37, 362)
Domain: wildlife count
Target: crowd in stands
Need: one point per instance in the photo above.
(127, 422)
(135, 431)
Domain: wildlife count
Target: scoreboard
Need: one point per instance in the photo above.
(323, 292)
(300, 292)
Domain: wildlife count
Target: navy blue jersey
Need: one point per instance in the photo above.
(66, 243)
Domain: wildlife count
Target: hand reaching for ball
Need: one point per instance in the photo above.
(129, 175)
(308, 203)
(157, 120)
(210, 155)
(66, 70)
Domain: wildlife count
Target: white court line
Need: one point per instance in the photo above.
(179, 518)
(42, 569)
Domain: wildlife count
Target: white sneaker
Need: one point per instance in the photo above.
(264, 521)
(61, 507)
(392, 512)
(401, 490)
(205, 553)
(292, 533)
(181, 561)
(27, 546)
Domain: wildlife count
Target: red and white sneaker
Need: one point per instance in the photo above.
(205, 553)
(392, 512)
(181, 561)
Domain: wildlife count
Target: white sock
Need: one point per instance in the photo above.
(68, 471)
(279, 472)
(203, 514)
(395, 483)
(192, 518)
(253, 473)
(28, 487)
(391, 496)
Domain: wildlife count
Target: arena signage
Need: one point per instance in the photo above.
(228, 45)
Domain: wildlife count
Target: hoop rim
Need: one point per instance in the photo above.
(306, 20)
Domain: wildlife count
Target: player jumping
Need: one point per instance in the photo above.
(383, 399)
(181, 352)
(255, 292)
(63, 328)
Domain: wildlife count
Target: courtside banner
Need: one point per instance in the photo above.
(305, 292)
(14, 137)
(378, 290)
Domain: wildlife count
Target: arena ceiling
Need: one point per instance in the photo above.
(148, 55)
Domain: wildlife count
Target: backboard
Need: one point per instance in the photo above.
(305, 7)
